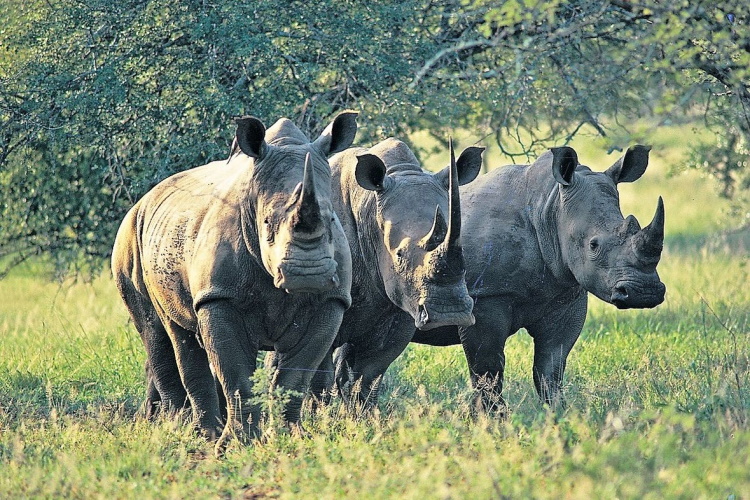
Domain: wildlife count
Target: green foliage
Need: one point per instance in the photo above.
(100, 100)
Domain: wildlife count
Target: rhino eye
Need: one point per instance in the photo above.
(269, 232)
(400, 253)
(594, 244)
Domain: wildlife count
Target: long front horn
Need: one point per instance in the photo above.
(649, 241)
(453, 258)
(454, 202)
(308, 217)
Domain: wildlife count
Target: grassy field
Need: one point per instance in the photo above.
(658, 400)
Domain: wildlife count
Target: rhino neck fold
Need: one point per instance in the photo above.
(356, 216)
(369, 240)
(249, 234)
(547, 229)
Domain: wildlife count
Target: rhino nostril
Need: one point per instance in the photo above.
(620, 296)
(424, 316)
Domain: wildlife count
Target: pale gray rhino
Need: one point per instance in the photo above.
(220, 261)
(542, 237)
(403, 225)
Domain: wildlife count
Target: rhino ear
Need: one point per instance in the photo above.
(631, 166)
(370, 172)
(564, 163)
(339, 135)
(468, 166)
(250, 136)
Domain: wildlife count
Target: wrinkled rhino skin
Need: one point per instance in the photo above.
(403, 228)
(220, 261)
(542, 236)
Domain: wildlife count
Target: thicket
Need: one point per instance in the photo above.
(99, 100)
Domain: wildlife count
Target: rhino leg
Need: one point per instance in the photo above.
(153, 398)
(368, 366)
(554, 337)
(197, 379)
(343, 361)
(165, 391)
(484, 347)
(321, 384)
(232, 354)
(298, 362)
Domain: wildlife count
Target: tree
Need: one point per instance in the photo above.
(100, 100)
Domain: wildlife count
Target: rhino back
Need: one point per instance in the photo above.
(501, 243)
(186, 237)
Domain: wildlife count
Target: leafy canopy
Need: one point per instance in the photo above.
(100, 100)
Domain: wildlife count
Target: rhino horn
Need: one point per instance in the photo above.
(649, 241)
(437, 234)
(308, 217)
(454, 203)
(451, 246)
(629, 226)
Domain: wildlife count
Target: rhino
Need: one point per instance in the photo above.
(403, 225)
(236, 256)
(542, 237)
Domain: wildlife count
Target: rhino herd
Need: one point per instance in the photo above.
(334, 258)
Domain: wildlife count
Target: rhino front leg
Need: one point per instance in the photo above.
(298, 361)
(554, 337)
(232, 354)
(369, 365)
(484, 347)
(321, 384)
(343, 361)
(153, 397)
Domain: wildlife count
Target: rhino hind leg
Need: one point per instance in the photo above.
(321, 384)
(360, 371)
(197, 379)
(165, 392)
(343, 376)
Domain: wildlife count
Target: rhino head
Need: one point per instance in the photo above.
(419, 254)
(289, 199)
(609, 255)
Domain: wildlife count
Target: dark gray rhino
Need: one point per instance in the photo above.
(403, 225)
(218, 262)
(542, 236)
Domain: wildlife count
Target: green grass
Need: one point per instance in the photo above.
(658, 400)
(658, 406)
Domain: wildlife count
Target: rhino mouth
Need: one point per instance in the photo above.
(434, 313)
(636, 295)
(300, 275)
